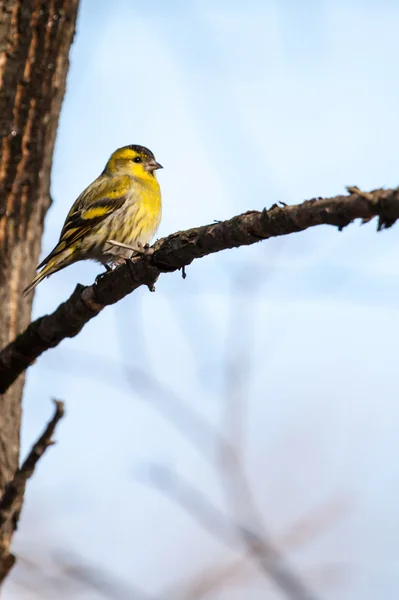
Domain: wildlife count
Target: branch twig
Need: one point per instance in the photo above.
(225, 529)
(13, 494)
(178, 251)
(12, 499)
(245, 513)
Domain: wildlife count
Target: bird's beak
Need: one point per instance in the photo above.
(153, 165)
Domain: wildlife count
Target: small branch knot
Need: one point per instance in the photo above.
(89, 301)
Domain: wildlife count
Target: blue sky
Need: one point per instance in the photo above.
(244, 105)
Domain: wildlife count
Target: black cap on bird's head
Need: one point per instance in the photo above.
(136, 154)
(147, 156)
(142, 150)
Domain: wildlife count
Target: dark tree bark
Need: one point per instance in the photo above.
(35, 37)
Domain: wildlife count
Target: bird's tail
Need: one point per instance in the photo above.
(39, 277)
(54, 264)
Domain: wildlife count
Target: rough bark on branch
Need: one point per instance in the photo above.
(35, 37)
(179, 250)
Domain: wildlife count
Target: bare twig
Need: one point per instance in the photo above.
(194, 502)
(224, 528)
(206, 438)
(12, 499)
(68, 575)
(179, 250)
(203, 436)
(15, 489)
(300, 533)
(238, 491)
(210, 580)
(313, 523)
(94, 578)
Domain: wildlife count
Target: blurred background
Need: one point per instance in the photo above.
(261, 393)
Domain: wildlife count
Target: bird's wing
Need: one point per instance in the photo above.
(96, 203)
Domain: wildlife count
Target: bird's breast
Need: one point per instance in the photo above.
(145, 207)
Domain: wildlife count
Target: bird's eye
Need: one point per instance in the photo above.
(137, 159)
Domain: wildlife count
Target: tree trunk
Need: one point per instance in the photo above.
(35, 37)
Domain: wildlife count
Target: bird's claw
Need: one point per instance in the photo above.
(100, 276)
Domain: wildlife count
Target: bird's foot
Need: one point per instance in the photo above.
(135, 251)
(101, 275)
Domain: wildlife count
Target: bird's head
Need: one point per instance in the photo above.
(136, 161)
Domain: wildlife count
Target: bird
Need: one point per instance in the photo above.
(113, 219)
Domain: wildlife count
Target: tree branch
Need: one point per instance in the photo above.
(11, 500)
(179, 250)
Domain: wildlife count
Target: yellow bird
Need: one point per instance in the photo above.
(116, 216)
